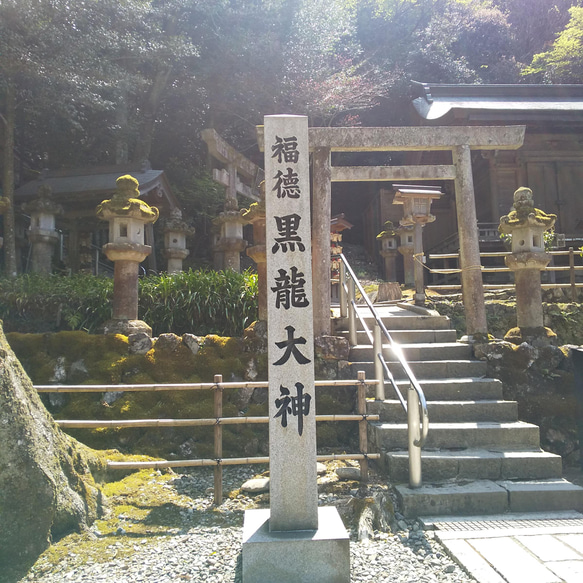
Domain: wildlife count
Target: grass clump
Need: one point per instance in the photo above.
(201, 302)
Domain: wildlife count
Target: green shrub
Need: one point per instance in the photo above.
(46, 303)
(200, 302)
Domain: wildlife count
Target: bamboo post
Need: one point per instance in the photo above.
(352, 335)
(218, 472)
(343, 296)
(414, 435)
(379, 371)
(362, 426)
(572, 274)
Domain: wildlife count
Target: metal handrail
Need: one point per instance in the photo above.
(416, 405)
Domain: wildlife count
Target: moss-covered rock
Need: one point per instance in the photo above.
(46, 487)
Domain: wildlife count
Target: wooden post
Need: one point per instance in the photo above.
(218, 408)
(362, 426)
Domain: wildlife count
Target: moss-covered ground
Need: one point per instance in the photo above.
(147, 506)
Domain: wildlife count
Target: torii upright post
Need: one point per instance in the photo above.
(293, 541)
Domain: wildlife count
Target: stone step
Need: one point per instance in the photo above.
(391, 411)
(475, 464)
(408, 336)
(416, 352)
(430, 369)
(405, 321)
(457, 389)
(391, 436)
(488, 497)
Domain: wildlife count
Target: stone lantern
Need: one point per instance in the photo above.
(406, 249)
(230, 242)
(127, 216)
(527, 259)
(389, 250)
(42, 233)
(175, 233)
(255, 215)
(416, 201)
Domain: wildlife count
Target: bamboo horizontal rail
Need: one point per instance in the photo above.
(119, 423)
(180, 387)
(217, 387)
(505, 269)
(160, 464)
(492, 254)
(495, 286)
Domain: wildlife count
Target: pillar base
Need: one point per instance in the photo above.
(300, 556)
(125, 327)
(419, 299)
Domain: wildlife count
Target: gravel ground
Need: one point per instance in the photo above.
(204, 545)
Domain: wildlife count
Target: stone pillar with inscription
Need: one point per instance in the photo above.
(293, 540)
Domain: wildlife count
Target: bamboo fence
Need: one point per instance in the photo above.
(217, 422)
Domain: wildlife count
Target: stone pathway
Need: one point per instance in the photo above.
(533, 547)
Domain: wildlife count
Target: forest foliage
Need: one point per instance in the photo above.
(102, 82)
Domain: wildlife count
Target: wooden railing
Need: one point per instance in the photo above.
(218, 422)
(572, 269)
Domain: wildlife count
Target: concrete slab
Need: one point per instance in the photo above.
(575, 541)
(321, 555)
(544, 495)
(515, 547)
(547, 548)
(568, 571)
(481, 496)
(514, 563)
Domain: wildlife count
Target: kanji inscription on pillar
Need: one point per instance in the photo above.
(292, 425)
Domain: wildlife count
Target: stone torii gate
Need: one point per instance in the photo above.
(231, 241)
(460, 141)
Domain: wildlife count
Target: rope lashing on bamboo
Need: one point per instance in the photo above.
(416, 257)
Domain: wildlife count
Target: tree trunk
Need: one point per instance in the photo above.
(149, 110)
(8, 181)
(46, 488)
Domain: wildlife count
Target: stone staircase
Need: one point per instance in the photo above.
(478, 458)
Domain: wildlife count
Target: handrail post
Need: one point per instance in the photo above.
(377, 349)
(572, 275)
(362, 426)
(218, 438)
(342, 291)
(352, 336)
(414, 434)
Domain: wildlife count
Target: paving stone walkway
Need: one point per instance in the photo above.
(515, 548)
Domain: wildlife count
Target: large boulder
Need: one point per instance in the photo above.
(46, 487)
